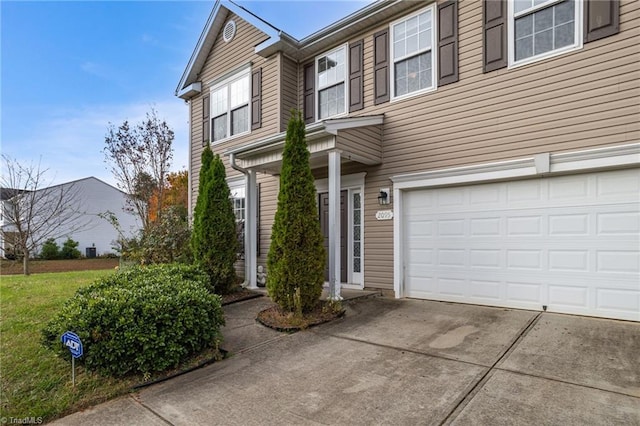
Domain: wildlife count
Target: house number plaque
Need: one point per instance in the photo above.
(384, 214)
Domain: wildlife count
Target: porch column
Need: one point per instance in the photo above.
(334, 225)
(250, 231)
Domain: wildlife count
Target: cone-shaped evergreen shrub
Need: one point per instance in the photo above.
(214, 240)
(297, 256)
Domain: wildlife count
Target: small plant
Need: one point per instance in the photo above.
(140, 320)
(70, 250)
(50, 250)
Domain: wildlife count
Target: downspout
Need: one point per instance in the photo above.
(189, 178)
(250, 253)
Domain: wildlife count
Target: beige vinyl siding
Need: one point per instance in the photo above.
(584, 99)
(365, 142)
(269, 186)
(288, 86)
(224, 58)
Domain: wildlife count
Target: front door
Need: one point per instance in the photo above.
(324, 225)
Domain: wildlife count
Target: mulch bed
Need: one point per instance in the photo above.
(275, 318)
(239, 295)
(9, 267)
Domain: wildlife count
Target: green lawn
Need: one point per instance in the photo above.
(34, 381)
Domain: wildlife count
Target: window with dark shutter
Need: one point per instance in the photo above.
(205, 121)
(309, 93)
(601, 19)
(356, 101)
(494, 29)
(381, 66)
(448, 42)
(256, 99)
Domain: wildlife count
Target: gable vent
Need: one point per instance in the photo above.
(229, 31)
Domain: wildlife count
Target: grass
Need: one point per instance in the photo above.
(34, 381)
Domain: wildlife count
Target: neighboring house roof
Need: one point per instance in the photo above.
(278, 40)
(8, 193)
(77, 181)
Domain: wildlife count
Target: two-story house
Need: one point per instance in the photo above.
(483, 152)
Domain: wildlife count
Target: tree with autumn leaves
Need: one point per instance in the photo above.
(175, 194)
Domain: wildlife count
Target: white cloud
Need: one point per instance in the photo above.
(70, 142)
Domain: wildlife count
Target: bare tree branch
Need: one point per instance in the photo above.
(139, 159)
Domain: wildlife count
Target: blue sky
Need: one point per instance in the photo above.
(70, 68)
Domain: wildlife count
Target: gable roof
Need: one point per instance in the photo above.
(279, 40)
(216, 20)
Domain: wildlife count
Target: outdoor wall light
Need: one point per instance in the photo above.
(383, 198)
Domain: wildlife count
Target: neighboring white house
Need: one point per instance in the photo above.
(96, 198)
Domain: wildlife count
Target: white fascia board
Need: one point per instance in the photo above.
(333, 125)
(560, 163)
(204, 39)
(458, 175)
(190, 91)
(599, 158)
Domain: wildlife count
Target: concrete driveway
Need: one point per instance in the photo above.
(403, 362)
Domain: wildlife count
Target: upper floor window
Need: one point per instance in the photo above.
(543, 28)
(331, 77)
(230, 99)
(413, 55)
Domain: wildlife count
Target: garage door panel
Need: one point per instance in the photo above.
(623, 223)
(491, 291)
(571, 243)
(616, 300)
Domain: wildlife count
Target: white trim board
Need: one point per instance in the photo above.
(568, 162)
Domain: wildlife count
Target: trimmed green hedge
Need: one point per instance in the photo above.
(140, 320)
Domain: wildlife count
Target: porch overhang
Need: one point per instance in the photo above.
(358, 139)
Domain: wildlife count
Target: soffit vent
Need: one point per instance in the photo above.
(229, 31)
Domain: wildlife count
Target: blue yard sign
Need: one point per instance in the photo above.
(73, 343)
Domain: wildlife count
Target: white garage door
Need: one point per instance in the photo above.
(571, 243)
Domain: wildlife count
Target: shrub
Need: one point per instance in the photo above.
(140, 320)
(297, 256)
(167, 239)
(70, 250)
(50, 250)
(214, 240)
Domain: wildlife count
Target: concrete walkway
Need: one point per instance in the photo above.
(403, 362)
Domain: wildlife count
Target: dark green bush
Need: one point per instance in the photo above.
(297, 256)
(140, 320)
(214, 240)
(70, 250)
(50, 250)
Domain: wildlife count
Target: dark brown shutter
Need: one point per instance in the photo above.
(309, 93)
(448, 42)
(381, 66)
(356, 83)
(206, 133)
(256, 99)
(601, 19)
(494, 29)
